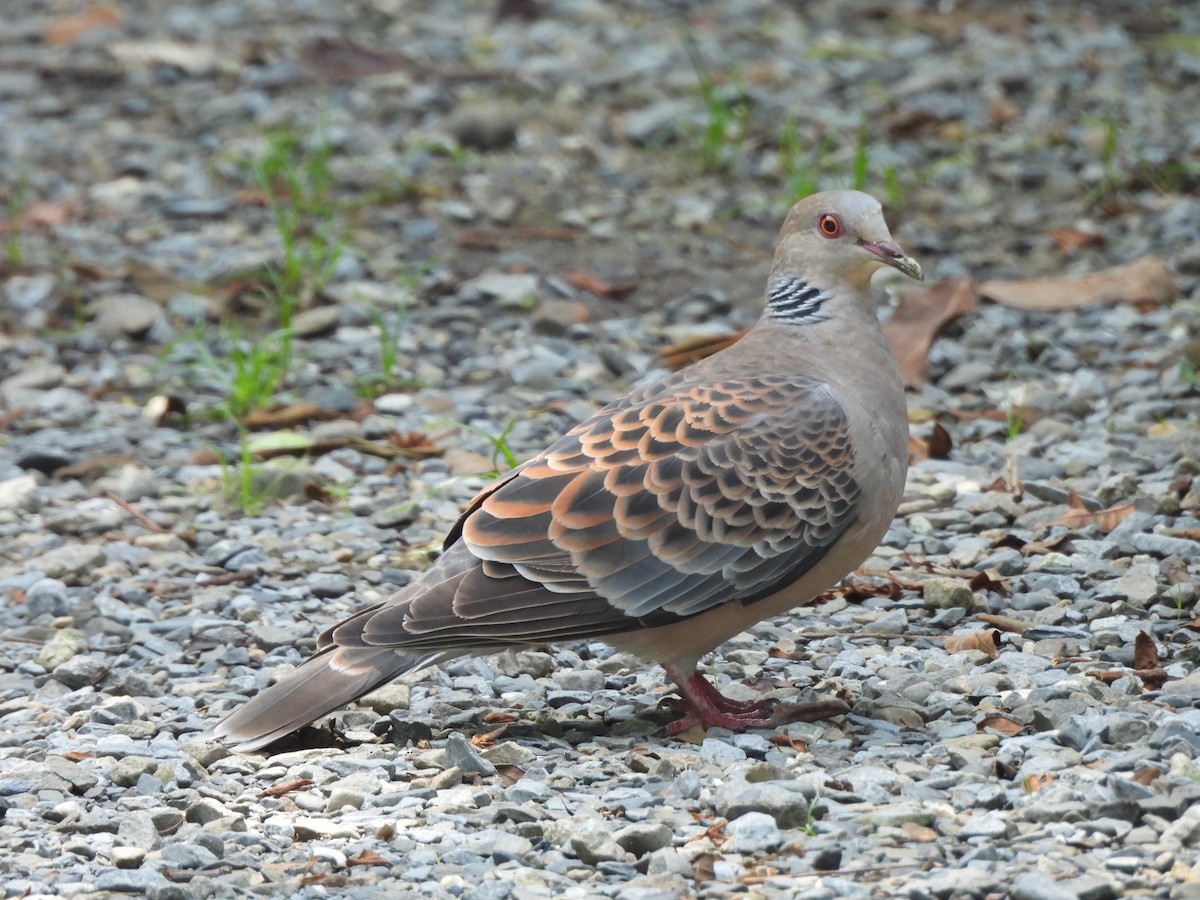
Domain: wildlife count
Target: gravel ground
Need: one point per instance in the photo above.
(532, 200)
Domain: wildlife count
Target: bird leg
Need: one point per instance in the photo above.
(708, 707)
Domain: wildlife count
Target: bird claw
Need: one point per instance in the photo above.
(764, 714)
(708, 708)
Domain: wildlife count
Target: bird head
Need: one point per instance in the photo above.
(839, 237)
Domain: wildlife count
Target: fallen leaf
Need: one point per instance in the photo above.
(986, 641)
(69, 29)
(463, 463)
(703, 867)
(1075, 501)
(47, 214)
(77, 755)
(285, 787)
(1146, 775)
(1145, 653)
(989, 580)
(787, 649)
(1151, 678)
(1105, 519)
(914, 324)
(486, 739)
(919, 834)
(338, 58)
(1190, 534)
(366, 857)
(937, 446)
(601, 287)
(1071, 239)
(509, 774)
(1006, 725)
(1146, 280)
(683, 353)
(415, 443)
(321, 879)
(494, 717)
(317, 493)
(287, 416)
(479, 239)
(940, 444)
(782, 740)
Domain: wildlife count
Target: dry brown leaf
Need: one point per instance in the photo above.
(985, 641)
(1146, 775)
(285, 787)
(1005, 725)
(47, 214)
(495, 717)
(322, 879)
(1145, 653)
(366, 857)
(77, 755)
(1071, 239)
(509, 774)
(1189, 534)
(338, 58)
(485, 739)
(1105, 519)
(601, 287)
(914, 324)
(919, 834)
(1152, 678)
(42, 215)
(69, 29)
(940, 444)
(286, 416)
(989, 580)
(782, 740)
(479, 239)
(703, 867)
(778, 652)
(414, 443)
(684, 353)
(1146, 280)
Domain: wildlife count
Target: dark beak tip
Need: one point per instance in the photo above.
(891, 254)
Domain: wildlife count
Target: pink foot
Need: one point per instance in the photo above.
(708, 707)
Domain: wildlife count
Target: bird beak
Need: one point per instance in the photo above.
(892, 255)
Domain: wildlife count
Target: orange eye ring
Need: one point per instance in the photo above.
(830, 226)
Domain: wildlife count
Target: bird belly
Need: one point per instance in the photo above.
(682, 643)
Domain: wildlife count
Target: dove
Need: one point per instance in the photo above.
(673, 518)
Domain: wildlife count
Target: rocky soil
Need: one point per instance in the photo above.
(429, 236)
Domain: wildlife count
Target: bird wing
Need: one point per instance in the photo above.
(683, 496)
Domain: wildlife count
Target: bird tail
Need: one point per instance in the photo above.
(331, 678)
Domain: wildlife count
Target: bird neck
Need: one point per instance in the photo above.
(794, 301)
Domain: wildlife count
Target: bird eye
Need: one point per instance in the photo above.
(830, 225)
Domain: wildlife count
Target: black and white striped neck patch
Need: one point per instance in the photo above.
(793, 300)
